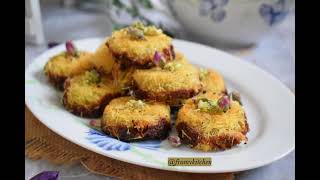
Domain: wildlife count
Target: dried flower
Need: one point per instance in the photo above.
(71, 49)
(224, 103)
(46, 175)
(158, 59)
(174, 141)
(95, 123)
(194, 99)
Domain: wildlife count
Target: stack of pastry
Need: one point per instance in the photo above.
(133, 81)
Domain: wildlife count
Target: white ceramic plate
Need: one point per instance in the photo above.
(269, 105)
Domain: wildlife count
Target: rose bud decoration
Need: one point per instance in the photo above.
(174, 141)
(158, 59)
(95, 124)
(71, 49)
(224, 103)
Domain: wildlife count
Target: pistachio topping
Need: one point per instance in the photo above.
(172, 66)
(214, 106)
(135, 103)
(135, 33)
(92, 77)
(138, 30)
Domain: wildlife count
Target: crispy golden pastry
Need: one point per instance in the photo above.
(212, 81)
(64, 65)
(202, 124)
(129, 119)
(137, 45)
(176, 81)
(87, 94)
(103, 59)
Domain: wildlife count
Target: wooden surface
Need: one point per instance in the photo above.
(42, 143)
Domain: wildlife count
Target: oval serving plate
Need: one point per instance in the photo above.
(269, 105)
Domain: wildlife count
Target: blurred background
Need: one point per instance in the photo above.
(261, 32)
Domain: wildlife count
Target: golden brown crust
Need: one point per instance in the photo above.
(223, 141)
(132, 51)
(208, 131)
(128, 118)
(169, 97)
(62, 66)
(93, 111)
(125, 61)
(158, 131)
(56, 80)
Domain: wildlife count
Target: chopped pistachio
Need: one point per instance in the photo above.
(135, 33)
(172, 66)
(138, 30)
(135, 103)
(92, 77)
(206, 105)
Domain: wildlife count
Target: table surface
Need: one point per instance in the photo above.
(275, 54)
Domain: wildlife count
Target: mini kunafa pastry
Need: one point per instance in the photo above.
(102, 58)
(66, 64)
(130, 119)
(170, 83)
(212, 122)
(87, 94)
(137, 45)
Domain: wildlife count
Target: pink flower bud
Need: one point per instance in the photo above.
(157, 57)
(71, 49)
(95, 123)
(174, 141)
(224, 103)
